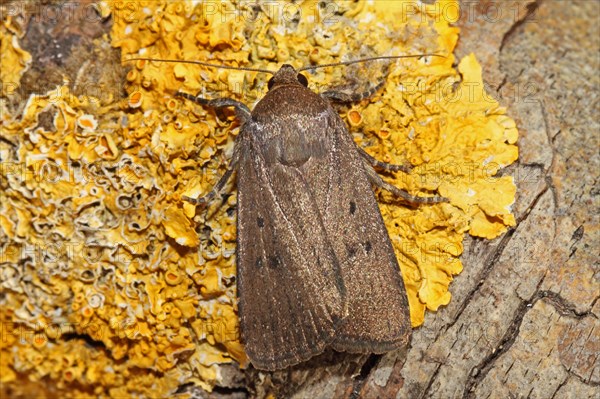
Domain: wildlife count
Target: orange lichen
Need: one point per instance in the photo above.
(98, 243)
(354, 118)
(135, 99)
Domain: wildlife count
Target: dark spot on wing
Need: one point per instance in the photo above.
(259, 263)
(352, 207)
(274, 262)
(260, 222)
(351, 251)
(336, 319)
(368, 246)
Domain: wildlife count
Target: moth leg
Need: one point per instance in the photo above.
(376, 180)
(339, 96)
(383, 165)
(242, 112)
(217, 188)
(212, 194)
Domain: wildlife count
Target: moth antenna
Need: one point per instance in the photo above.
(208, 64)
(385, 57)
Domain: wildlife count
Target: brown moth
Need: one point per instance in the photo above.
(315, 265)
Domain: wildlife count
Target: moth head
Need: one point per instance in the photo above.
(287, 75)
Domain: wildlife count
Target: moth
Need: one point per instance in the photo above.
(315, 265)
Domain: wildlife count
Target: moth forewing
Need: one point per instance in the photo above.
(291, 294)
(378, 315)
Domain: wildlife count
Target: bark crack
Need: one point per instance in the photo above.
(531, 9)
(562, 384)
(491, 260)
(563, 307)
(365, 372)
(479, 372)
(425, 393)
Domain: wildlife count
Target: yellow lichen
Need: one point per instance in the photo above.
(97, 242)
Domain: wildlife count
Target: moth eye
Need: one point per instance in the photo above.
(302, 79)
(270, 83)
